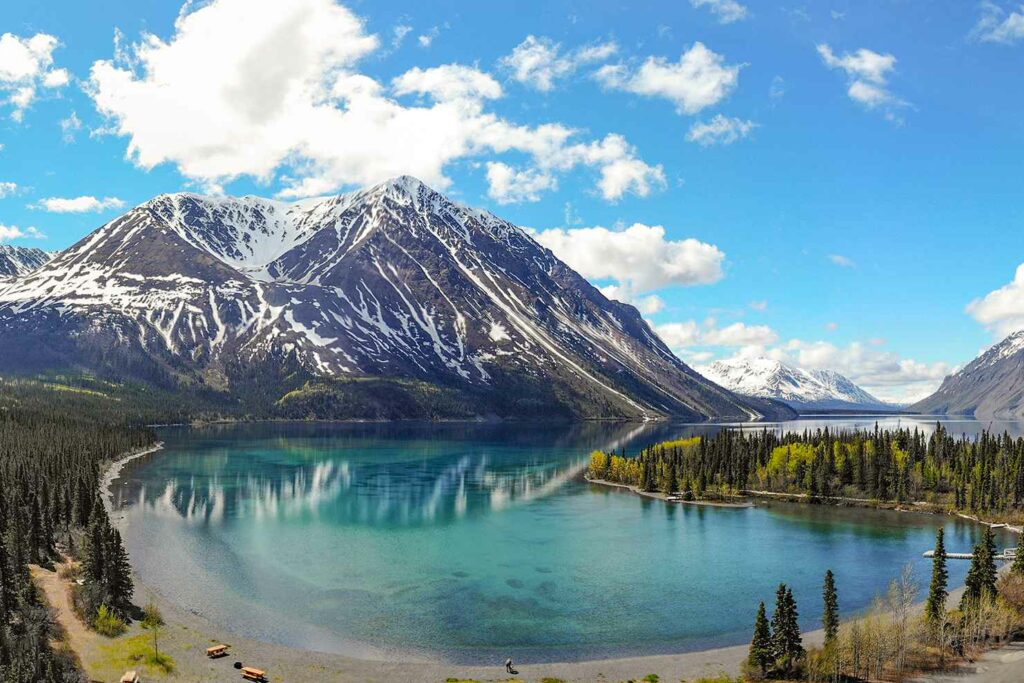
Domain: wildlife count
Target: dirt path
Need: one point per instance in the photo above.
(78, 637)
(1005, 665)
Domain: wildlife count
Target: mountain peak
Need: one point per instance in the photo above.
(393, 281)
(801, 388)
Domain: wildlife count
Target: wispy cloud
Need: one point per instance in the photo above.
(727, 11)
(84, 204)
(842, 261)
(999, 25)
(540, 62)
(867, 72)
(721, 130)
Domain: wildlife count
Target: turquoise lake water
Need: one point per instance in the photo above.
(470, 542)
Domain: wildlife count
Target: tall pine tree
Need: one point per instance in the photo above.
(980, 583)
(761, 651)
(830, 617)
(935, 606)
(787, 645)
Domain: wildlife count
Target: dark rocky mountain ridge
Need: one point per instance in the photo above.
(248, 298)
(991, 387)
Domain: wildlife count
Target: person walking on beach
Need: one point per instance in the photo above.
(508, 666)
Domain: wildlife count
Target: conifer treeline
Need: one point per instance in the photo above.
(983, 474)
(49, 501)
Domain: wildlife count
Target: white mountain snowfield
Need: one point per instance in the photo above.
(797, 387)
(392, 281)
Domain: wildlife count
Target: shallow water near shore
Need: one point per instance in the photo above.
(472, 542)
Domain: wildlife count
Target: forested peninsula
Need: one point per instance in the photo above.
(981, 475)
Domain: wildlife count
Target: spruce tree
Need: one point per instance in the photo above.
(1018, 561)
(761, 653)
(787, 646)
(830, 618)
(118, 582)
(981, 577)
(935, 607)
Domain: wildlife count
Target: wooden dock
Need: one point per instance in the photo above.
(1008, 555)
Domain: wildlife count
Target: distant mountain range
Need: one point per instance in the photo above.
(989, 387)
(16, 261)
(390, 302)
(799, 388)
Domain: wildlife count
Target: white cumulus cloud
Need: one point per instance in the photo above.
(13, 232)
(700, 78)
(508, 185)
(720, 130)
(26, 64)
(84, 204)
(7, 188)
(727, 11)
(1002, 310)
(282, 98)
(539, 62)
(639, 258)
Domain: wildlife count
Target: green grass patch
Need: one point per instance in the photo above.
(135, 652)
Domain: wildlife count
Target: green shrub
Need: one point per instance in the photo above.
(107, 623)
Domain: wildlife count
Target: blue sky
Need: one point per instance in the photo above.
(829, 183)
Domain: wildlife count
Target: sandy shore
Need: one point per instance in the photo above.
(187, 635)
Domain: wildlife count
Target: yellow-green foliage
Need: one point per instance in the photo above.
(614, 468)
(681, 444)
(787, 459)
(598, 465)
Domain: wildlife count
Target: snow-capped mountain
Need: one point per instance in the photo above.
(395, 281)
(797, 387)
(989, 387)
(15, 261)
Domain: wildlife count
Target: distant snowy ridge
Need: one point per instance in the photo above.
(392, 281)
(797, 387)
(15, 261)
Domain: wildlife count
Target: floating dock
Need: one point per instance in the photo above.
(1008, 555)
